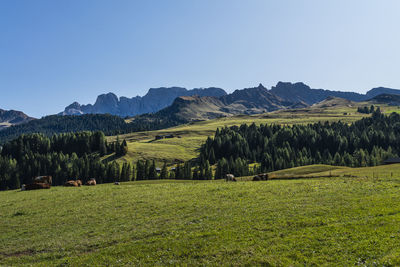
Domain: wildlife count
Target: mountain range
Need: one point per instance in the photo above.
(176, 104)
(244, 101)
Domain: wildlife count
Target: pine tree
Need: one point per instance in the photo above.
(147, 170)
(164, 171)
(208, 171)
(152, 171)
(117, 147)
(212, 156)
(140, 171)
(123, 148)
(187, 171)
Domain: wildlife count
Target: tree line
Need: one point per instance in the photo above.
(63, 156)
(368, 110)
(108, 124)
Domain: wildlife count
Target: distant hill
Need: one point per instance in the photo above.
(381, 90)
(155, 100)
(12, 117)
(390, 99)
(334, 102)
(62, 124)
(297, 92)
(109, 124)
(195, 108)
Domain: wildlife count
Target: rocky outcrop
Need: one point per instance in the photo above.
(253, 100)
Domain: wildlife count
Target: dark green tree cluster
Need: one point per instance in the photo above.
(366, 142)
(64, 156)
(120, 148)
(183, 172)
(80, 143)
(368, 110)
(147, 170)
(238, 167)
(203, 171)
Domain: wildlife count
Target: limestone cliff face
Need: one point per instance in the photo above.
(155, 100)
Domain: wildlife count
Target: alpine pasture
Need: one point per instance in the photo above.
(320, 221)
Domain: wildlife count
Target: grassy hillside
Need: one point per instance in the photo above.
(142, 145)
(339, 221)
(318, 170)
(306, 170)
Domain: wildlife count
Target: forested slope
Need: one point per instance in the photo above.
(366, 142)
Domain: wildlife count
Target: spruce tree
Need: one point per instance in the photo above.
(152, 171)
(164, 171)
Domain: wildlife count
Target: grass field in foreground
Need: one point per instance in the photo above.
(336, 221)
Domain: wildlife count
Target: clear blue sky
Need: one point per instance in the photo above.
(55, 52)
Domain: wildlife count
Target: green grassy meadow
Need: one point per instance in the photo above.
(329, 221)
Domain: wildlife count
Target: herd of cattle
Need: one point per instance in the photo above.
(44, 182)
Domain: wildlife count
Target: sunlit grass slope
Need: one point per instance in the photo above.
(318, 170)
(305, 171)
(334, 221)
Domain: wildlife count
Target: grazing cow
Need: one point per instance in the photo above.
(116, 183)
(261, 177)
(71, 183)
(91, 182)
(230, 178)
(79, 182)
(35, 186)
(43, 179)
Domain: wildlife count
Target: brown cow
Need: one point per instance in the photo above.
(79, 182)
(91, 182)
(43, 179)
(71, 183)
(35, 186)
